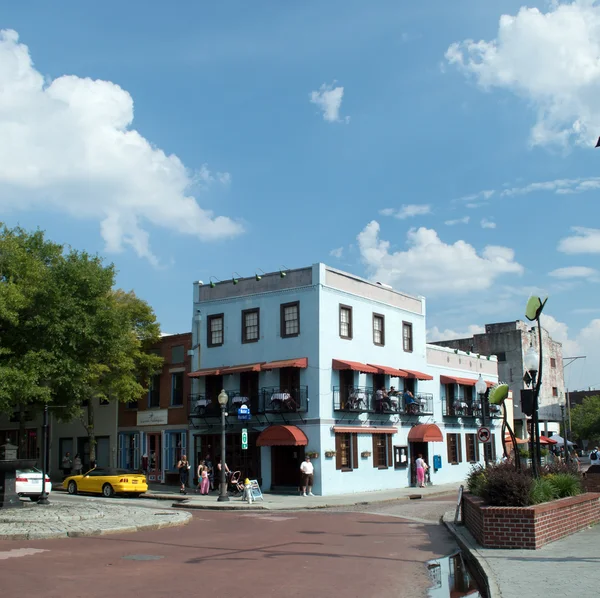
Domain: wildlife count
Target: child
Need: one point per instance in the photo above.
(204, 483)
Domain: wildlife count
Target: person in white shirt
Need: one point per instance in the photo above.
(308, 470)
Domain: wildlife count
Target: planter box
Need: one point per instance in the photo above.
(529, 527)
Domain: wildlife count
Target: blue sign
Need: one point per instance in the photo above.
(437, 462)
(244, 413)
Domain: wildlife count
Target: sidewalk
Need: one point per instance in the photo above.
(567, 567)
(284, 502)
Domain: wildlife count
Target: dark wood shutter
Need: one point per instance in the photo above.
(449, 448)
(338, 451)
(375, 453)
(390, 456)
(476, 444)
(354, 451)
(459, 447)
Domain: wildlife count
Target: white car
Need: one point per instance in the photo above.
(28, 483)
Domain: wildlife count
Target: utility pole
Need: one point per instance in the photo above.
(565, 365)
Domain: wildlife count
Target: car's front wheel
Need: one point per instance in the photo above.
(72, 487)
(107, 490)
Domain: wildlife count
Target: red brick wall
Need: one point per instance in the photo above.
(529, 527)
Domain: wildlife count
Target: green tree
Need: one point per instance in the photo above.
(585, 419)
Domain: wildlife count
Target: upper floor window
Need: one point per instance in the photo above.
(407, 336)
(290, 319)
(346, 452)
(552, 362)
(250, 325)
(214, 327)
(177, 389)
(177, 354)
(378, 329)
(554, 391)
(345, 321)
(154, 391)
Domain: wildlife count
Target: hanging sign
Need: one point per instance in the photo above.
(484, 434)
(244, 439)
(244, 413)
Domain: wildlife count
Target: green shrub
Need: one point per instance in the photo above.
(476, 480)
(506, 487)
(542, 490)
(565, 484)
(524, 453)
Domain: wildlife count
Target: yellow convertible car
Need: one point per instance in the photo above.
(107, 482)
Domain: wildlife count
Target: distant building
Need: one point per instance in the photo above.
(309, 352)
(509, 341)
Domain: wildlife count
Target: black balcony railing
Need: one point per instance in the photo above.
(358, 399)
(495, 411)
(422, 404)
(238, 398)
(284, 400)
(461, 408)
(201, 405)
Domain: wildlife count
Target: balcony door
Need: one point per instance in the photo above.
(289, 379)
(346, 385)
(213, 386)
(249, 388)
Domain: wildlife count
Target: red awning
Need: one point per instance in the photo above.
(238, 369)
(363, 430)
(453, 380)
(384, 369)
(417, 375)
(425, 433)
(508, 440)
(205, 372)
(340, 364)
(300, 362)
(282, 436)
(547, 440)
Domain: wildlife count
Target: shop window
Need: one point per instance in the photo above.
(454, 448)
(400, 457)
(346, 452)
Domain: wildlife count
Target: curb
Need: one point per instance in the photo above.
(481, 570)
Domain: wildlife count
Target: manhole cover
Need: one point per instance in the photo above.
(141, 557)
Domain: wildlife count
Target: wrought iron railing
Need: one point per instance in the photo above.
(358, 399)
(201, 405)
(461, 408)
(275, 399)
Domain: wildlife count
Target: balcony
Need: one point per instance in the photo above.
(460, 408)
(237, 399)
(284, 400)
(364, 400)
(423, 405)
(356, 399)
(201, 405)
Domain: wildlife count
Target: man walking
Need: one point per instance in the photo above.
(66, 464)
(308, 471)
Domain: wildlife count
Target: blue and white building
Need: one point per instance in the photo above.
(307, 350)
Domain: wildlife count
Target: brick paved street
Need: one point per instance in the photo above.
(310, 553)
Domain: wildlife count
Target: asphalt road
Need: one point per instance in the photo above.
(380, 553)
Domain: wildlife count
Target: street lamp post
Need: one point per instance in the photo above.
(44, 496)
(480, 389)
(533, 364)
(223, 496)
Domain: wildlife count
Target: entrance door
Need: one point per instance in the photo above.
(416, 449)
(285, 465)
(154, 451)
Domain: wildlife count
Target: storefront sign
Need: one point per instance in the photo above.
(156, 417)
(256, 491)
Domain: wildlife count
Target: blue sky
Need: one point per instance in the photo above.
(416, 162)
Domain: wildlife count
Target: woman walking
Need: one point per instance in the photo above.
(422, 467)
(204, 483)
(184, 472)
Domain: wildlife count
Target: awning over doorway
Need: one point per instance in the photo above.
(384, 369)
(204, 372)
(453, 380)
(343, 364)
(299, 362)
(238, 369)
(417, 375)
(363, 430)
(425, 433)
(282, 436)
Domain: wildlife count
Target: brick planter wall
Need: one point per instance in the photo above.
(591, 479)
(529, 527)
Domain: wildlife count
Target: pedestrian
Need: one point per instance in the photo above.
(77, 465)
(211, 471)
(595, 457)
(421, 467)
(201, 466)
(204, 483)
(66, 464)
(219, 469)
(184, 472)
(308, 471)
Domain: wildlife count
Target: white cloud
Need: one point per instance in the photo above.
(407, 211)
(485, 223)
(550, 59)
(585, 240)
(432, 266)
(435, 334)
(329, 99)
(575, 272)
(464, 220)
(67, 146)
(337, 253)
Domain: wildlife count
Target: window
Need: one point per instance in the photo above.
(346, 452)
(552, 362)
(177, 354)
(407, 337)
(131, 405)
(400, 457)
(154, 391)
(472, 448)
(378, 330)
(345, 321)
(214, 328)
(454, 448)
(177, 388)
(290, 319)
(382, 451)
(554, 391)
(250, 325)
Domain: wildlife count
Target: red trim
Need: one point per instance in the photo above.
(282, 436)
(238, 369)
(205, 372)
(384, 369)
(300, 362)
(453, 380)
(363, 430)
(425, 433)
(342, 364)
(417, 375)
